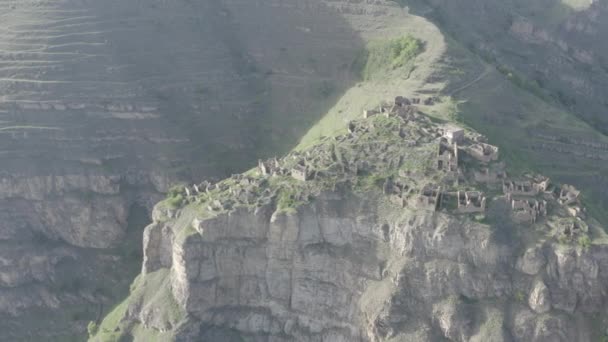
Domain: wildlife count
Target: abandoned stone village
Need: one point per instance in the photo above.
(418, 162)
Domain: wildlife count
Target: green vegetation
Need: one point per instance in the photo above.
(287, 199)
(370, 182)
(289, 192)
(92, 328)
(598, 327)
(381, 57)
(531, 86)
(520, 296)
(153, 291)
(584, 242)
(174, 197)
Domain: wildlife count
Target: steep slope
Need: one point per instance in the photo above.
(104, 104)
(366, 237)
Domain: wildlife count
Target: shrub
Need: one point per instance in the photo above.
(175, 202)
(287, 198)
(175, 197)
(174, 191)
(92, 328)
(584, 241)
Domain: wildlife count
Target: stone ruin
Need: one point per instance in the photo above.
(471, 202)
(397, 191)
(270, 167)
(402, 101)
(429, 198)
(370, 112)
(519, 188)
(574, 228)
(483, 152)
(488, 175)
(541, 183)
(528, 210)
(343, 162)
(301, 173)
(447, 156)
(568, 194)
(453, 134)
(402, 106)
(429, 101)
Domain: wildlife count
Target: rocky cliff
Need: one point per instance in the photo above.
(357, 248)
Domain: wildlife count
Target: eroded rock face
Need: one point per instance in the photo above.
(345, 268)
(532, 261)
(540, 299)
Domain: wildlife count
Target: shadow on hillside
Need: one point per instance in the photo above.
(278, 72)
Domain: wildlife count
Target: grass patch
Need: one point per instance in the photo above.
(384, 56)
(289, 193)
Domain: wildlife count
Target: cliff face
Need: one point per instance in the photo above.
(343, 269)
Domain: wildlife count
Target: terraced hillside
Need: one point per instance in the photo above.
(104, 104)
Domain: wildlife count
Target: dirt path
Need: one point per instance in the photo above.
(481, 76)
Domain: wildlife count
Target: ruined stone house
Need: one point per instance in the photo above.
(402, 101)
(447, 156)
(575, 211)
(483, 152)
(574, 228)
(541, 183)
(568, 194)
(453, 134)
(429, 198)
(519, 188)
(404, 112)
(301, 173)
(471, 202)
(487, 175)
(269, 167)
(528, 210)
(397, 191)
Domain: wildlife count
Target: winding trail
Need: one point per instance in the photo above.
(486, 72)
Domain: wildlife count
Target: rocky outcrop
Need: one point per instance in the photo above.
(540, 300)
